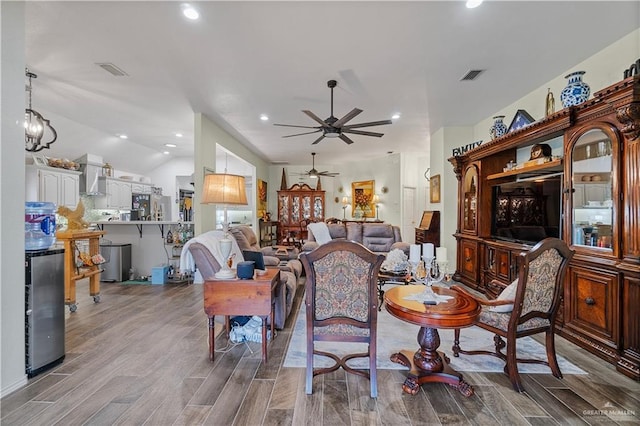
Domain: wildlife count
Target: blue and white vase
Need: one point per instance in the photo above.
(576, 92)
(498, 128)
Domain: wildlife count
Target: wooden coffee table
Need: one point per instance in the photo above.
(242, 297)
(427, 364)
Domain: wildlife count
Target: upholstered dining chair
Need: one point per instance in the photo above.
(528, 306)
(342, 305)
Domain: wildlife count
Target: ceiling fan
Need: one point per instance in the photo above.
(336, 128)
(313, 173)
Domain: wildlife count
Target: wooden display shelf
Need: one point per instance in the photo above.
(549, 166)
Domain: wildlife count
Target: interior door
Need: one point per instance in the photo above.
(409, 215)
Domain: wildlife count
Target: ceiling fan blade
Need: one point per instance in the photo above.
(318, 140)
(328, 173)
(293, 125)
(314, 117)
(300, 134)
(346, 139)
(347, 117)
(362, 132)
(372, 123)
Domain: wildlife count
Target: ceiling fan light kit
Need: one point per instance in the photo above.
(333, 127)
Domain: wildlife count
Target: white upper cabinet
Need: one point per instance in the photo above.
(58, 186)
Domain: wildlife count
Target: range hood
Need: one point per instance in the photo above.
(89, 179)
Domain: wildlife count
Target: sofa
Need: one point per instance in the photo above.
(377, 237)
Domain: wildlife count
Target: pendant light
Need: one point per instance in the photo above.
(35, 124)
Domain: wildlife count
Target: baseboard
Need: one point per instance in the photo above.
(14, 386)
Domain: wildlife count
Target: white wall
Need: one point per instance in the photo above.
(602, 70)
(12, 197)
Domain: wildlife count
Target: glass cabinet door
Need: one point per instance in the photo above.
(592, 183)
(470, 209)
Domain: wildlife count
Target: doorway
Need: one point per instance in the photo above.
(409, 214)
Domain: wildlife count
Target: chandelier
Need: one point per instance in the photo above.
(35, 125)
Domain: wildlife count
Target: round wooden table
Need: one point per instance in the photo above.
(427, 364)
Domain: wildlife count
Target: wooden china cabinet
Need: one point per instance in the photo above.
(585, 192)
(297, 204)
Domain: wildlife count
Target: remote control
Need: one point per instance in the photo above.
(430, 302)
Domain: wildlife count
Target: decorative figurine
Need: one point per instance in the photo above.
(74, 217)
(550, 104)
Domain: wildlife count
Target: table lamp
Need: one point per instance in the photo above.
(225, 189)
(376, 201)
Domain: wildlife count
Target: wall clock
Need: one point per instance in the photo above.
(540, 150)
(520, 120)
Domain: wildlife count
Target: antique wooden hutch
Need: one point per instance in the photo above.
(587, 192)
(299, 203)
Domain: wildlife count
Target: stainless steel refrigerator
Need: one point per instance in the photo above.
(44, 315)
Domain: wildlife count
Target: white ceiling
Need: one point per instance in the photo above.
(243, 59)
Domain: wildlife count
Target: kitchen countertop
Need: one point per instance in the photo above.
(141, 222)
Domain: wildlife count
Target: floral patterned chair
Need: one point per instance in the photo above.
(528, 306)
(342, 304)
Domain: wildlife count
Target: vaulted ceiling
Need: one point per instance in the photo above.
(243, 59)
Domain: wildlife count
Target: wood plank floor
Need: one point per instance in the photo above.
(140, 357)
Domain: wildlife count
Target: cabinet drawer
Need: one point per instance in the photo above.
(591, 301)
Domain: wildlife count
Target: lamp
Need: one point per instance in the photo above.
(226, 189)
(345, 204)
(376, 201)
(35, 124)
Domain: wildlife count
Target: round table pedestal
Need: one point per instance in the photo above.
(429, 365)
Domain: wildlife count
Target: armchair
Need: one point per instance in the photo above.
(535, 298)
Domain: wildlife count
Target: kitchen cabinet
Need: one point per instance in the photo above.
(49, 184)
(585, 192)
(117, 194)
(141, 188)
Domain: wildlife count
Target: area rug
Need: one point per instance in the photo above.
(395, 335)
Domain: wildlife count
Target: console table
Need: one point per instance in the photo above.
(242, 297)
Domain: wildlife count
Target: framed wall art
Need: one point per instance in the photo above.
(362, 205)
(434, 193)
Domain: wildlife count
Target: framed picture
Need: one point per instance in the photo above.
(520, 120)
(434, 194)
(262, 198)
(362, 204)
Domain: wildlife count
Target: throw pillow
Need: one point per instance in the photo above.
(320, 232)
(509, 293)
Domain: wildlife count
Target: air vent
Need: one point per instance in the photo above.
(112, 69)
(471, 75)
(279, 162)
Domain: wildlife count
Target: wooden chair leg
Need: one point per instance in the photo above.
(373, 372)
(512, 366)
(309, 381)
(551, 354)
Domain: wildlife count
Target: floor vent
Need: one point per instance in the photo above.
(471, 75)
(112, 69)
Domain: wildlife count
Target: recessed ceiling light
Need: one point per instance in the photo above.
(123, 136)
(170, 145)
(178, 135)
(166, 152)
(190, 12)
(264, 117)
(395, 116)
(471, 4)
